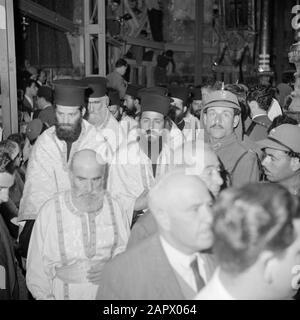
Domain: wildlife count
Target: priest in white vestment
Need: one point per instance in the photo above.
(99, 114)
(147, 155)
(47, 171)
(75, 234)
(185, 121)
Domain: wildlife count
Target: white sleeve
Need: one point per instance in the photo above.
(37, 280)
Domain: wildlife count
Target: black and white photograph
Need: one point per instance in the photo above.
(149, 152)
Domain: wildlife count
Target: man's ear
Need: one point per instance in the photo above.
(107, 101)
(267, 262)
(205, 118)
(83, 111)
(236, 121)
(295, 164)
(184, 109)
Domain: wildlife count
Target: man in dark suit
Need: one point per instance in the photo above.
(45, 112)
(171, 265)
(29, 104)
(259, 101)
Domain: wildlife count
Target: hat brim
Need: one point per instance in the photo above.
(224, 104)
(267, 143)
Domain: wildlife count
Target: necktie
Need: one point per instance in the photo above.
(199, 280)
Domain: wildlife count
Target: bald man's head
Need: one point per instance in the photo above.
(87, 177)
(181, 206)
(197, 158)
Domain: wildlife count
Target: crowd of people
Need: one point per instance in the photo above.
(119, 192)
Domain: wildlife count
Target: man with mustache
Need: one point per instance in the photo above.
(75, 234)
(147, 155)
(223, 126)
(47, 171)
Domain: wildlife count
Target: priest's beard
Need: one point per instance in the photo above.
(89, 201)
(196, 113)
(130, 112)
(69, 132)
(174, 117)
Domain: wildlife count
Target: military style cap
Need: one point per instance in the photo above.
(285, 138)
(45, 92)
(69, 93)
(97, 86)
(34, 129)
(114, 97)
(162, 91)
(222, 98)
(155, 103)
(133, 90)
(181, 93)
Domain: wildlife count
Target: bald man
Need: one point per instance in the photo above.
(196, 158)
(171, 264)
(75, 234)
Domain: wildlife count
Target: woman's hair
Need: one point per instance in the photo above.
(250, 220)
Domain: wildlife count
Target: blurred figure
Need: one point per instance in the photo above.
(9, 286)
(115, 104)
(257, 244)
(42, 78)
(45, 112)
(116, 78)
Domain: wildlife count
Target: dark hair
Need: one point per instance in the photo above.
(251, 219)
(121, 63)
(19, 138)
(263, 95)
(283, 119)
(28, 83)
(6, 164)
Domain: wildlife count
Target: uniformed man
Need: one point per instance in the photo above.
(282, 157)
(259, 101)
(222, 123)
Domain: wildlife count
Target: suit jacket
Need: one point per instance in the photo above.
(260, 130)
(26, 106)
(145, 227)
(144, 273)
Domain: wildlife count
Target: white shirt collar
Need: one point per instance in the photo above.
(214, 290)
(181, 263)
(29, 100)
(259, 115)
